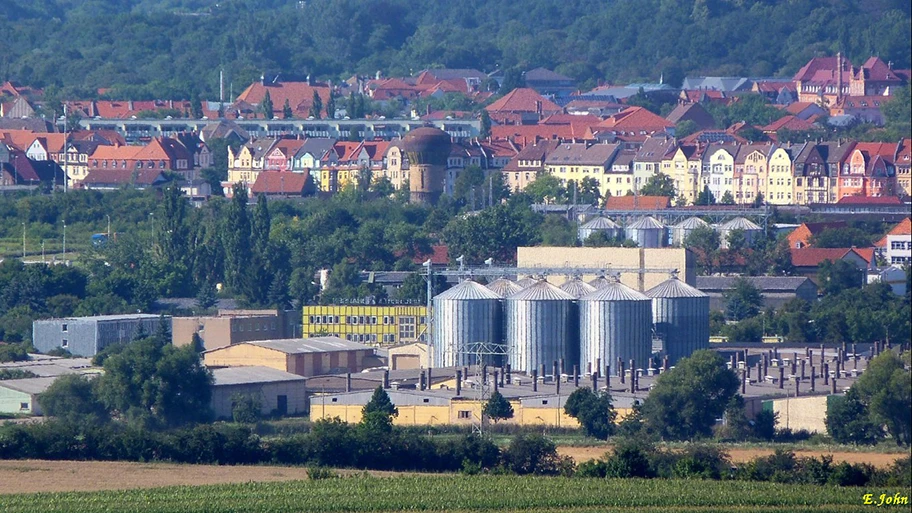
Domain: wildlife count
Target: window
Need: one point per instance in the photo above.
(63, 327)
(464, 414)
(64, 343)
(544, 401)
(425, 400)
(23, 406)
(373, 319)
(407, 329)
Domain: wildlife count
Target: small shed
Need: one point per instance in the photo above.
(408, 356)
(20, 396)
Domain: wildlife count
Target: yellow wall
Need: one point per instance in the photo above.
(374, 328)
(652, 258)
(802, 413)
(246, 355)
(779, 179)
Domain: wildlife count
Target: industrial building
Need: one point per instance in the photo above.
(20, 396)
(279, 392)
(467, 317)
(409, 356)
(304, 357)
(367, 324)
(235, 326)
(775, 290)
(655, 263)
(86, 336)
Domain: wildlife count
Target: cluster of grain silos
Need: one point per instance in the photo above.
(577, 324)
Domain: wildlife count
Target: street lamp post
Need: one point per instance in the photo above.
(64, 239)
(23, 241)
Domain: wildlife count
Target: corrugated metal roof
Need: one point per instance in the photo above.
(646, 223)
(504, 287)
(740, 223)
(600, 282)
(527, 282)
(308, 345)
(28, 385)
(600, 223)
(541, 291)
(691, 222)
(251, 375)
(615, 291)
(468, 289)
(577, 288)
(674, 287)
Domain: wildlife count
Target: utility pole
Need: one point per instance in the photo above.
(64, 239)
(23, 241)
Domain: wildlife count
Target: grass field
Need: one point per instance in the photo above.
(455, 494)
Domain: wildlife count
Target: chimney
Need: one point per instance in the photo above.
(458, 383)
(608, 378)
(554, 371)
(833, 386)
(509, 373)
(535, 381)
(422, 384)
(496, 380)
(348, 382)
(386, 379)
(781, 377)
(429, 378)
(813, 379)
(594, 381)
(839, 76)
(575, 376)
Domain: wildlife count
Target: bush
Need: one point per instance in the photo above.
(629, 459)
(13, 353)
(246, 408)
(315, 473)
(531, 454)
(702, 462)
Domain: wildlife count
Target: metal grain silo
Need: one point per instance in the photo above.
(599, 224)
(526, 282)
(647, 232)
(681, 317)
(681, 230)
(615, 322)
(504, 287)
(577, 288)
(751, 230)
(600, 282)
(466, 314)
(541, 328)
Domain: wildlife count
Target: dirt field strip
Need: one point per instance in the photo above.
(882, 460)
(32, 476)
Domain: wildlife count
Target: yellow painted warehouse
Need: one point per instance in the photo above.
(367, 324)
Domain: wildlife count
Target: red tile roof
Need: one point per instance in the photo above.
(123, 177)
(788, 122)
(904, 227)
(298, 94)
(523, 100)
(637, 202)
(869, 200)
(439, 255)
(811, 257)
(281, 183)
(527, 134)
(636, 119)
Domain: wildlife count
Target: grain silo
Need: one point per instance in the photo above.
(464, 315)
(647, 232)
(504, 287)
(600, 282)
(577, 288)
(615, 322)
(541, 328)
(750, 230)
(681, 230)
(599, 224)
(680, 314)
(526, 282)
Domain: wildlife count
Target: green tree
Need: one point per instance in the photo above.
(377, 415)
(246, 408)
(742, 301)
(849, 422)
(155, 385)
(885, 388)
(685, 128)
(196, 107)
(331, 105)
(532, 454)
(287, 113)
(72, 399)
(316, 107)
(706, 197)
(834, 277)
(237, 240)
(498, 407)
(485, 130)
(687, 400)
(840, 238)
(896, 113)
(546, 188)
(706, 242)
(206, 297)
(727, 199)
(659, 184)
(594, 412)
(267, 107)
(588, 193)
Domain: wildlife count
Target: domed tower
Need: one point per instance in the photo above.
(427, 149)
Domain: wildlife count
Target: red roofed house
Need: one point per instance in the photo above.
(525, 166)
(637, 203)
(530, 134)
(282, 184)
(801, 236)
(831, 78)
(635, 121)
(807, 260)
(865, 109)
(896, 246)
(869, 171)
(299, 96)
(805, 110)
(521, 106)
(789, 122)
(281, 156)
(106, 179)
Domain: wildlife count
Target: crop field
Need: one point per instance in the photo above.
(452, 493)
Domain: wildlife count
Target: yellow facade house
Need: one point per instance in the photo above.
(684, 168)
(779, 178)
(576, 161)
(246, 164)
(750, 166)
(367, 324)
